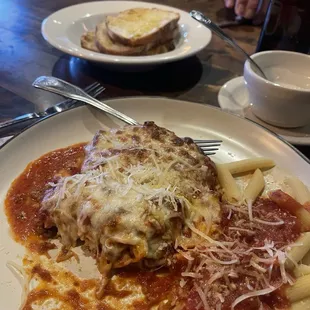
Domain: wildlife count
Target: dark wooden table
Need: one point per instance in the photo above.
(24, 55)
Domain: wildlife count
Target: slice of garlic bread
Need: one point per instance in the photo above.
(141, 26)
(88, 41)
(106, 45)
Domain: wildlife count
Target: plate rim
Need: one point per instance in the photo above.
(302, 141)
(124, 60)
(203, 109)
(206, 106)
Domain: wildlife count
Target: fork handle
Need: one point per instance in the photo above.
(19, 119)
(61, 87)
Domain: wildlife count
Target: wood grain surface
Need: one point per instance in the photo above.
(24, 55)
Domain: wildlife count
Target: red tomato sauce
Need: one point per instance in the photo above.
(22, 206)
(284, 234)
(281, 235)
(24, 198)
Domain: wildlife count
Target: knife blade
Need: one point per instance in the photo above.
(17, 124)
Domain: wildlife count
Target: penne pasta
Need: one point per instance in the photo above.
(301, 270)
(298, 250)
(299, 290)
(255, 186)
(286, 202)
(229, 185)
(301, 192)
(303, 304)
(247, 165)
(306, 259)
(304, 217)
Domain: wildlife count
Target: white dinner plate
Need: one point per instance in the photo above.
(233, 97)
(241, 139)
(63, 30)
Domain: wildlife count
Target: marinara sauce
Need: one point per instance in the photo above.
(24, 197)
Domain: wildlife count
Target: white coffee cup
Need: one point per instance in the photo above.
(284, 99)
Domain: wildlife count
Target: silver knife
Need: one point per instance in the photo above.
(94, 90)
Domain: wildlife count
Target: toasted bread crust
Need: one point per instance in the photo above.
(106, 45)
(155, 34)
(148, 31)
(88, 41)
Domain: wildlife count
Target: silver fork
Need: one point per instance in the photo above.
(60, 87)
(94, 90)
(209, 147)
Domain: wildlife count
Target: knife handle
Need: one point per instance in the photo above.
(19, 119)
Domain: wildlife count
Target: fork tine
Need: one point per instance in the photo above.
(93, 90)
(207, 141)
(208, 145)
(92, 87)
(98, 91)
(210, 149)
(96, 88)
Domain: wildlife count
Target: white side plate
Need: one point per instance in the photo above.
(63, 30)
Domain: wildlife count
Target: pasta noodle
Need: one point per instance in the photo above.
(299, 290)
(301, 305)
(306, 259)
(247, 165)
(301, 270)
(231, 190)
(255, 186)
(304, 217)
(286, 202)
(298, 250)
(301, 192)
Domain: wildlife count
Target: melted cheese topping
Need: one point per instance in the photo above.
(139, 190)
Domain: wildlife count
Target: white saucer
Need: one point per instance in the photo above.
(63, 30)
(233, 97)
